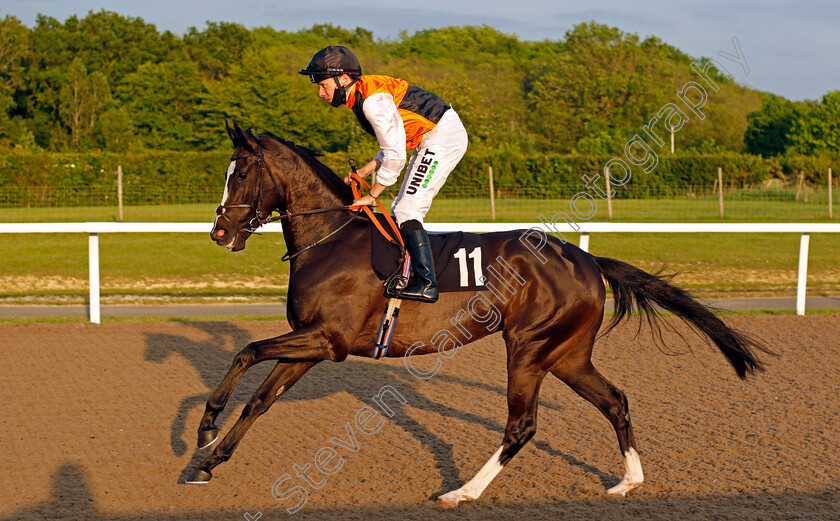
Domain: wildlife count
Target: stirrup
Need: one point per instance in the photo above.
(389, 319)
(396, 282)
(400, 279)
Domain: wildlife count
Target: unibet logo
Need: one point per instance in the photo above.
(423, 174)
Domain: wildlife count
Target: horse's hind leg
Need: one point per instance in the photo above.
(523, 397)
(281, 378)
(585, 380)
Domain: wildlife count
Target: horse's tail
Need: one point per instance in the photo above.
(630, 286)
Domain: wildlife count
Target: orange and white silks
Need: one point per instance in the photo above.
(420, 110)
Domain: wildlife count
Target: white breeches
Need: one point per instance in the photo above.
(435, 157)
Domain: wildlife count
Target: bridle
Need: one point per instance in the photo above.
(259, 220)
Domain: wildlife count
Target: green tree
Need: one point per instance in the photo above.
(105, 43)
(14, 57)
(114, 130)
(163, 99)
(596, 89)
(817, 132)
(266, 92)
(588, 93)
(116, 45)
(769, 129)
(217, 47)
(83, 99)
(477, 69)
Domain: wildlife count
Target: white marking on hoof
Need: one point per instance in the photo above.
(451, 499)
(633, 475)
(476, 485)
(195, 482)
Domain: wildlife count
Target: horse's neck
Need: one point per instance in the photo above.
(310, 191)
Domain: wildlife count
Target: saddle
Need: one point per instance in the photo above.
(390, 262)
(460, 259)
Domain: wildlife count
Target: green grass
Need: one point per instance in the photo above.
(743, 205)
(632, 210)
(190, 265)
(146, 264)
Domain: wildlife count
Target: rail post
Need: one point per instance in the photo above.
(93, 270)
(803, 273)
(584, 241)
(492, 195)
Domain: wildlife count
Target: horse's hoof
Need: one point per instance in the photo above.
(207, 438)
(452, 499)
(441, 502)
(199, 476)
(624, 487)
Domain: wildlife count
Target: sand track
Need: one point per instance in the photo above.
(99, 423)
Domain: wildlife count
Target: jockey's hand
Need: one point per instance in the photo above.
(347, 179)
(365, 200)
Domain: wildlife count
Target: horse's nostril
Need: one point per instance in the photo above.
(219, 210)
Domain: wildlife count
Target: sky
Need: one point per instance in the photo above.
(791, 48)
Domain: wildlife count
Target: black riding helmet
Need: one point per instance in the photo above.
(332, 62)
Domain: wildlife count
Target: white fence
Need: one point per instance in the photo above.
(93, 229)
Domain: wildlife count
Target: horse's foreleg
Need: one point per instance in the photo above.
(281, 378)
(523, 397)
(301, 344)
(612, 402)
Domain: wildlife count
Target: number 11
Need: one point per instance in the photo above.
(475, 255)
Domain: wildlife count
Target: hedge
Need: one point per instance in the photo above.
(152, 177)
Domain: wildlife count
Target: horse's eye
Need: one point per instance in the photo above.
(242, 175)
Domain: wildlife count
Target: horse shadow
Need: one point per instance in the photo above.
(212, 358)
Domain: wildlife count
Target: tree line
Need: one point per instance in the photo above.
(115, 83)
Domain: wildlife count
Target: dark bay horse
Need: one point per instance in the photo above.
(549, 314)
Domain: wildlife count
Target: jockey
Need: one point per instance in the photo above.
(401, 116)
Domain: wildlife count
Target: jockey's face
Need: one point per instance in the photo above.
(326, 88)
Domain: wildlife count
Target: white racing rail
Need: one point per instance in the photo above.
(93, 229)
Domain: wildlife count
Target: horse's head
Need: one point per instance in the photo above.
(250, 195)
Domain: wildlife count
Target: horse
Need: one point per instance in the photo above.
(549, 315)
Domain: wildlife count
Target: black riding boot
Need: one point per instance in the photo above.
(424, 288)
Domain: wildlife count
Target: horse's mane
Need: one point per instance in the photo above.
(310, 157)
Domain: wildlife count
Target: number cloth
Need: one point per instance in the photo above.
(460, 258)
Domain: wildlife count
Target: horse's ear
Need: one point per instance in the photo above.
(232, 134)
(244, 138)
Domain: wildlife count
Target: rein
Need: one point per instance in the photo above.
(356, 181)
(258, 221)
(359, 180)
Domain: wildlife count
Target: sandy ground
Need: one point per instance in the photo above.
(99, 423)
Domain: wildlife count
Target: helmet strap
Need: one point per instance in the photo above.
(340, 93)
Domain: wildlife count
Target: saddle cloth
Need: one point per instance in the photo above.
(460, 258)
